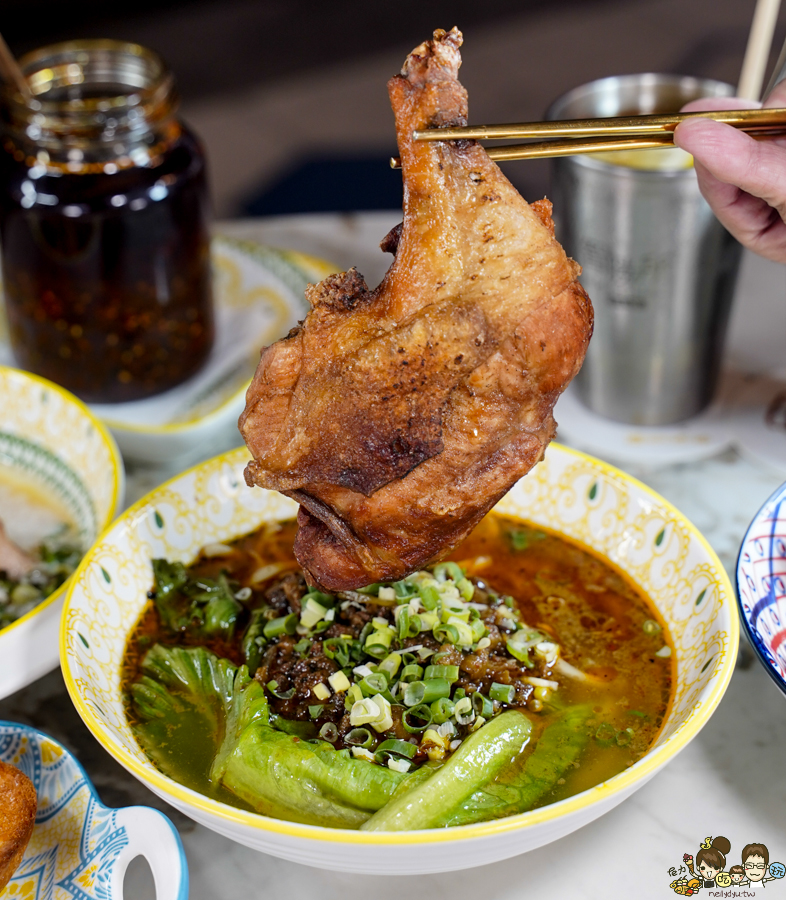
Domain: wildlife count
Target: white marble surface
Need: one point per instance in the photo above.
(731, 780)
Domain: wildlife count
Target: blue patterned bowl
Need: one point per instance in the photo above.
(80, 849)
(761, 585)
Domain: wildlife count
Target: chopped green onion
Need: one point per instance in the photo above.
(466, 588)
(339, 682)
(651, 627)
(442, 710)
(320, 597)
(463, 712)
(518, 540)
(448, 570)
(465, 636)
(502, 693)
(337, 649)
(403, 590)
(394, 748)
(446, 634)
(427, 620)
(283, 625)
(359, 737)
(482, 705)
(429, 595)
(605, 734)
(625, 737)
(411, 672)
(372, 684)
(311, 612)
(329, 732)
(302, 647)
(449, 673)
(458, 694)
(372, 589)
(420, 712)
(315, 711)
(425, 691)
(509, 602)
(414, 692)
(272, 686)
(478, 627)
(389, 665)
(452, 611)
(403, 622)
(378, 643)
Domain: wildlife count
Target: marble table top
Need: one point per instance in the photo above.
(729, 780)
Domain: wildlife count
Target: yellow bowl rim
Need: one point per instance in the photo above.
(118, 478)
(641, 770)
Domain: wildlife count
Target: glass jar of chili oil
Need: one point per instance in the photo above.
(103, 224)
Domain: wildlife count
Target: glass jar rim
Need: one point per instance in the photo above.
(140, 88)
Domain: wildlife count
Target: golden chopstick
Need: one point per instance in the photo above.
(630, 126)
(546, 149)
(543, 149)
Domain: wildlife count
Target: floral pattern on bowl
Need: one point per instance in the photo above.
(80, 848)
(761, 585)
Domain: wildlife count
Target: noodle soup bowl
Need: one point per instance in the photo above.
(51, 442)
(636, 531)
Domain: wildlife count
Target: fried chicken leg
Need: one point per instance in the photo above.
(398, 417)
(17, 817)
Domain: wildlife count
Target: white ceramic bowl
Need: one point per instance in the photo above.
(50, 437)
(579, 496)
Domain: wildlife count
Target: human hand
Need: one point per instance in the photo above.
(743, 180)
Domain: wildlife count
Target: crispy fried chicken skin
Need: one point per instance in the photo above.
(397, 417)
(17, 817)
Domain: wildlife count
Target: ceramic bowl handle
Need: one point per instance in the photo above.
(152, 835)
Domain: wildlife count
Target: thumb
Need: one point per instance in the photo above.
(733, 157)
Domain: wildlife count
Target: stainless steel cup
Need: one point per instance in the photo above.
(658, 265)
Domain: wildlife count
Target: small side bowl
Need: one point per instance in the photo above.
(761, 585)
(569, 492)
(79, 847)
(49, 435)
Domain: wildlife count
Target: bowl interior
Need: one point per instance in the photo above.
(52, 440)
(585, 499)
(761, 585)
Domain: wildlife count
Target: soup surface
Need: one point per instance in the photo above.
(570, 651)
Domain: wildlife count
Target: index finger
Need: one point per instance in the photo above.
(777, 96)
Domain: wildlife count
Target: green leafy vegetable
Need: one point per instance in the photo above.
(532, 776)
(478, 761)
(275, 772)
(201, 605)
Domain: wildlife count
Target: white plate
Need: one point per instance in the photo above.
(259, 296)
